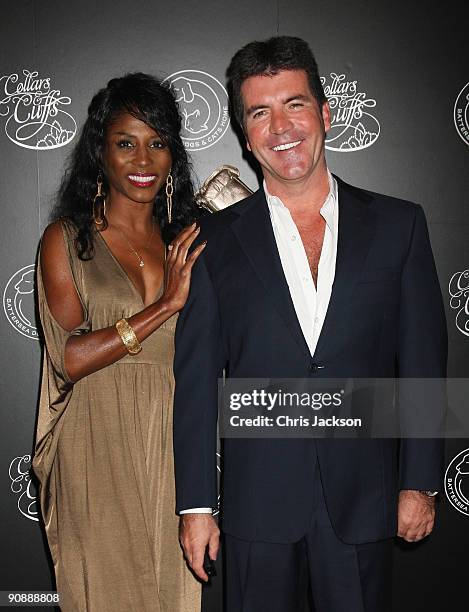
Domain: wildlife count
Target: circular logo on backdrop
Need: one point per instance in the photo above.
(461, 113)
(353, 125)
(22, 486)
(18, 302)
(35, 113)
(203, 103)
(459, 299)
(457, 482)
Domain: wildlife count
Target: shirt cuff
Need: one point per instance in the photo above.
(196, 511)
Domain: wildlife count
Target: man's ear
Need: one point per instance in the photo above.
(248, 146)
(326, 116)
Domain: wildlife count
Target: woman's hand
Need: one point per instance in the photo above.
(179, 267)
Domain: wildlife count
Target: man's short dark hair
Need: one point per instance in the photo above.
(268, 58)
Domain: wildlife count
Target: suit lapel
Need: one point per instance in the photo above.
(254, 232)
(356, 227)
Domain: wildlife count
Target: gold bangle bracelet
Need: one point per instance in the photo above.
(128, 337)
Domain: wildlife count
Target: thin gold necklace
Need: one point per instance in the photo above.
(141, 263)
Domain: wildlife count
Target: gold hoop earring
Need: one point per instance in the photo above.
(169, 196)
(99, 205)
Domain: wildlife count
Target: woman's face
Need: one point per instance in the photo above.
(135, 159)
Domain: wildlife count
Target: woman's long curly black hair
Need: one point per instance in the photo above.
(147, 99)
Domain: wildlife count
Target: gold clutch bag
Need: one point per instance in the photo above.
(222, 188)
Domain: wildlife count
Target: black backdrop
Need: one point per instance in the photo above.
(401, 66)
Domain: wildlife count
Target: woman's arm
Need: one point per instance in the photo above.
(93, 351)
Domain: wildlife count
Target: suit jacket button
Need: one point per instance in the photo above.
(314, 367)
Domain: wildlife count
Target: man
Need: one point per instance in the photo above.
(308, 277)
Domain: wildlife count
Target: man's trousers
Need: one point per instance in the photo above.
(270, 577)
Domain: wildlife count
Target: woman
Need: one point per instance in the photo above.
(108, 311)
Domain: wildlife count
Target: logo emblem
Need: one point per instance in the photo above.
(22, 486)
(35, 113)
(457, 482)
(461, 113)
(18, 302)
(459, 299)
(353, 127)
(203, 103)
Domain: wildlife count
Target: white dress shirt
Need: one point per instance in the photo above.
(310, 302)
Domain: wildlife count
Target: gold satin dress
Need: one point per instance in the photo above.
(105, 461)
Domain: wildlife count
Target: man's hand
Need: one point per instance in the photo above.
(195, 532)
(416, 515)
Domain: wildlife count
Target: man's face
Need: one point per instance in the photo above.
(284, 126)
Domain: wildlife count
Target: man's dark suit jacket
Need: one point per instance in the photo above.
(385, 319)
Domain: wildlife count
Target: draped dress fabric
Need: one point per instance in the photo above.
(104, 457)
